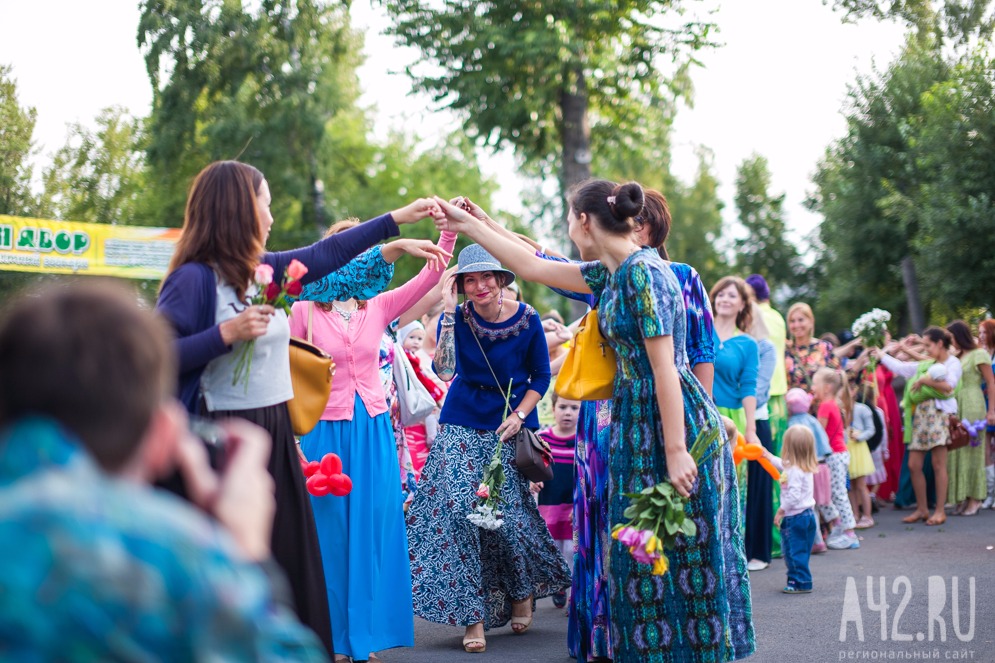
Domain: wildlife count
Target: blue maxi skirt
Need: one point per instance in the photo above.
(364, 545)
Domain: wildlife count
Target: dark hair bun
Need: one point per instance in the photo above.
(629, 201)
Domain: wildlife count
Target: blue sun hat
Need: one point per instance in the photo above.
(475, 258)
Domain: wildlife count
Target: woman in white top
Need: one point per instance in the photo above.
(930, 432)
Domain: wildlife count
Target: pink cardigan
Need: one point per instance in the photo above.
(356, 351)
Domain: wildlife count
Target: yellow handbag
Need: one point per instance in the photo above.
(588, 372)
(311, 371)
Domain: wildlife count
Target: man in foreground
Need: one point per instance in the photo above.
(95, 564)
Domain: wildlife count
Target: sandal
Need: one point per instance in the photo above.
(864, 523)
(936, 521)
(474, 645)
(373, 658)
(972, 510)
(915, 517)
(520, 625)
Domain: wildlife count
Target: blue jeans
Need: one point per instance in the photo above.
(797, 537)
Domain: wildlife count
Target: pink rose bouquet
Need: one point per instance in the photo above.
(656, 515)
(277, 295)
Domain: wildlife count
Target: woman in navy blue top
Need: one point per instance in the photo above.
(461, 574)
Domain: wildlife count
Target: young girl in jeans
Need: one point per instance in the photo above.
(827, 386)
(796, 516)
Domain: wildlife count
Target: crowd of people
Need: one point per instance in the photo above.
(98, 399)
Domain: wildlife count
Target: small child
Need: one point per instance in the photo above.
(799, 402)
(411, 337)
(861, 462)
(827, 387)
(556, 495)
(796, 516)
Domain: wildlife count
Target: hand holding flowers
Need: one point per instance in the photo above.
(486, 514)
(656, 515)
(272, 295)
(872, 328)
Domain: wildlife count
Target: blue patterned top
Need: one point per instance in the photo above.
(698, 310)
(95, 568)
(364, 277)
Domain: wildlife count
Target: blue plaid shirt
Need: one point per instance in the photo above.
(94, 568)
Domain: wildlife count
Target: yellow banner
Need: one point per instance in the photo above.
(97, 249)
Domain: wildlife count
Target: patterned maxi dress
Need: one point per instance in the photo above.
(588, 629)
(700, 611)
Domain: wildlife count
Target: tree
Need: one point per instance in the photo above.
(765, 250)
(961, 21)
(17, 125)
(556, 80)
(866, 189)
(954, 142)
(261, 85)
(98, 176)
(697, 223)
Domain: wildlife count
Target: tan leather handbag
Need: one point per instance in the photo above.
(311, 371)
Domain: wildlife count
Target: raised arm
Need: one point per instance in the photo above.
(512, 252)
(397, 301)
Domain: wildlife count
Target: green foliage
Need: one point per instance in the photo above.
(97, 176)
(259, 85)
(765, 250)
(954, 141)
(559, 81)
(505, 65)
(17, 124)
(697, 223)
(959, 20)
(913, 177)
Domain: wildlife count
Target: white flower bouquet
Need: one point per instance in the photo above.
(872, 327)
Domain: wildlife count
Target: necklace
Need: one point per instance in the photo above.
(345, 313)
(500, 311)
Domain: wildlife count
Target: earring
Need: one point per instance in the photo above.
(501, 299)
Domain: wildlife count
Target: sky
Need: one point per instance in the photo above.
(775, 87)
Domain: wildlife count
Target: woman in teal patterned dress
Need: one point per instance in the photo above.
(700, 610)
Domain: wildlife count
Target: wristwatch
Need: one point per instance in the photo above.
(521, 415)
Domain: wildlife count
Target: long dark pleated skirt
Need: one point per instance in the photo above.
(295, 538)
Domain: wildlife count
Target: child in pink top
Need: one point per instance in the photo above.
(411, 337)
(556, 496)
(827, 387)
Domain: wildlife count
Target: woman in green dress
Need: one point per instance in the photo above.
(700, 610)
(966, 466)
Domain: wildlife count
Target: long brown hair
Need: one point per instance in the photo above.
(221, 224)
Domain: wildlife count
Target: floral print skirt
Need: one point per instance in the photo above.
(929, 427)
(462, 574)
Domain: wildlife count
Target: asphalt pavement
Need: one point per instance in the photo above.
(926, 574)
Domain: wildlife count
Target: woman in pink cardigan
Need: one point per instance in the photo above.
(364, 545)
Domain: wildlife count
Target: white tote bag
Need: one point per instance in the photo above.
(415, 401)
